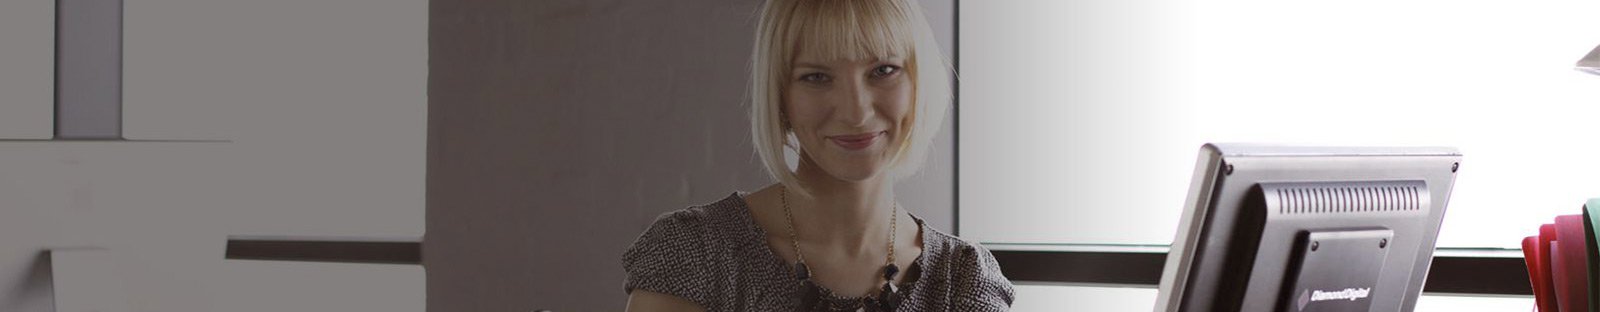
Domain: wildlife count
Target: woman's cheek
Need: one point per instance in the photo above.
(898, 104)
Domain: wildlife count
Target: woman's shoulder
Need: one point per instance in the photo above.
(674, 254)
(690, 229)
(972, 269)
(722, 215)
(956, 249)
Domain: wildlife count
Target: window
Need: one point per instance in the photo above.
(1080, 120)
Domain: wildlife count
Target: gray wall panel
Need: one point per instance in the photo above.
(88, 69)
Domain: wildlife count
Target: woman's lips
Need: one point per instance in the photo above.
(856, 141)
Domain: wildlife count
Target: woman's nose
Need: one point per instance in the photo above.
(857, 107)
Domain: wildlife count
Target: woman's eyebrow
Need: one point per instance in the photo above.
(811, 65)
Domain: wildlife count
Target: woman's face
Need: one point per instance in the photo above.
(848, 114)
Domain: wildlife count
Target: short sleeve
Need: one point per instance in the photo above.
(667, 258)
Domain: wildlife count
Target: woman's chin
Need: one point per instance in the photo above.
(857, 172)
(854, 165)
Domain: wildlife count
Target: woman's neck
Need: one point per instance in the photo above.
(852, 216)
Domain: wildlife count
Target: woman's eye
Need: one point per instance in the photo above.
(885, 70)
(814, 77)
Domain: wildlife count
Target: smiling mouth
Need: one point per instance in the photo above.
(857, 141)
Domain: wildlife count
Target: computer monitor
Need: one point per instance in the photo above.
(1279, 228)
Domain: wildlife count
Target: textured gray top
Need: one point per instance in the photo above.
(716, 256)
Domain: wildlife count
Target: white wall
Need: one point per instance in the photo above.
(26, 73)
(322, 109)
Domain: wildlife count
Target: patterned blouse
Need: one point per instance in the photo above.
(716, 256)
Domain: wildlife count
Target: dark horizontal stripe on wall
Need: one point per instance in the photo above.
(1478, 275)
(1460, 275)
(1128, 268)
(378, 252)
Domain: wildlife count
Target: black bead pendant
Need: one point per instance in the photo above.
(809, 296)
(801, 271)
(888, 297)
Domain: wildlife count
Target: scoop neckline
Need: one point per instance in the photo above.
(828, 295)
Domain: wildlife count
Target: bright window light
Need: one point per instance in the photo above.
(1080, 120)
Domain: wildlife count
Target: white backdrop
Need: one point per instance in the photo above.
(1081, 120)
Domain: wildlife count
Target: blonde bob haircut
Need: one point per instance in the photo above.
(845, 30)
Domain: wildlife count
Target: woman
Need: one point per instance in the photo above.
(857, 89)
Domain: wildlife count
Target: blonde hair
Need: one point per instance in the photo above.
(845, 29)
